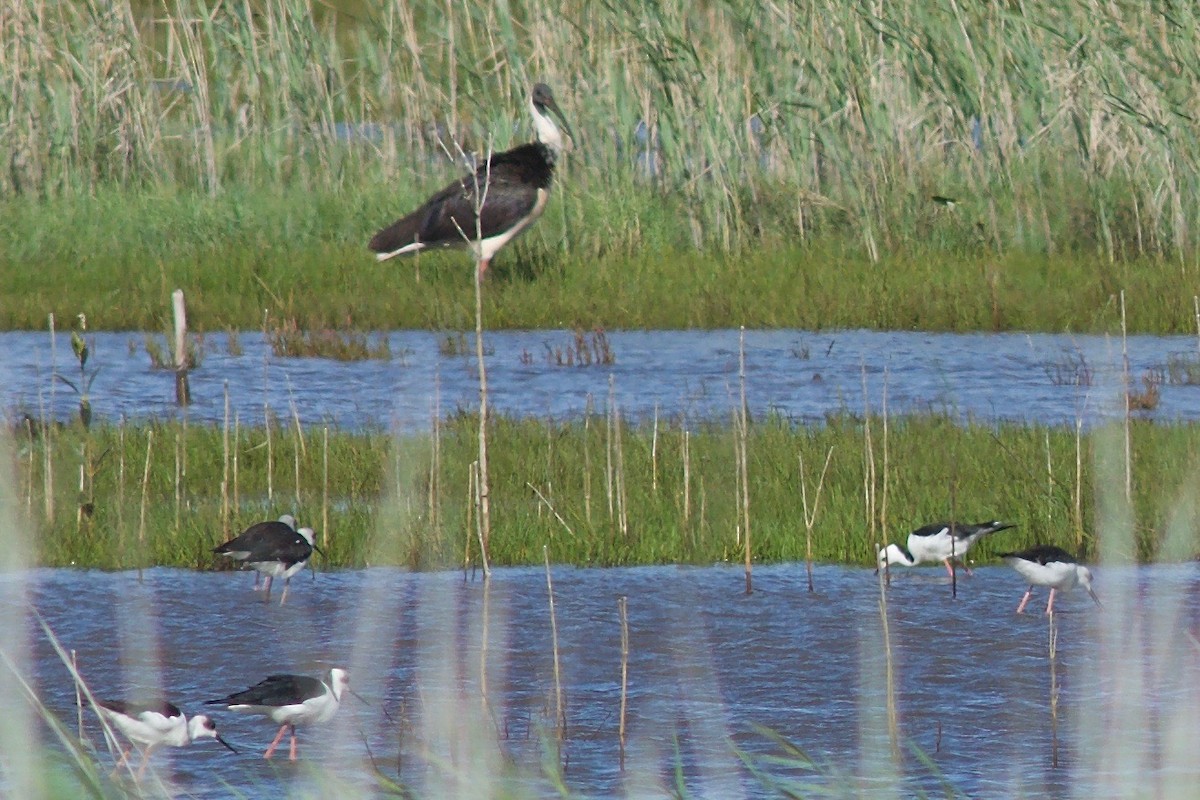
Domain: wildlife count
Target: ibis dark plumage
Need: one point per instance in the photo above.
(291, 700)
(488, 208)
(276, 548)
(941, 541)
(155, 723)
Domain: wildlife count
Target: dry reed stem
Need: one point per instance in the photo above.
(325, 532)
(1128, 410)
(550, 507)
(654, 453)
(893, 719)
(744, 471)
(1053, 664)
(469, 527)
(869, 471)
(810, 517)
(225, 458)
(178, 482)
(623, 615)
(479, 529)
(587, 462)
(237, 445)
(48, 468)
(560, 711)
(78, 699)
(267, 423)
(435, 460)
(145, 500)
(121, 487)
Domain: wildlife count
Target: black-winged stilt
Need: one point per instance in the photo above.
(486, 209)
(941, 541)
(291, 700)
(155, 723)
(276, 548)
(1047, 565)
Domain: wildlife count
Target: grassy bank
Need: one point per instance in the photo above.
(737, 163)
(595, 491)
(118, 256)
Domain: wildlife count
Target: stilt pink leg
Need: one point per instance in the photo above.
(286, 582)
(122, 760)
(257, 575)
(145, 761)
(292, 754)
(278, 737)
(1050, 605)
(267, 596)
(1024, 600)
(483, 265)
(949, 568)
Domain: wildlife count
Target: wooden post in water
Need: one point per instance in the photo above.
(183, 395)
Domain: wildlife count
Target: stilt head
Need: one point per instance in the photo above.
(1084, 576)
(541, 102)
(201, 727)
(894, 554)
(338, 682)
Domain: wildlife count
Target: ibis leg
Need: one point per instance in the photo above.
(1024, 600)
(278, 738)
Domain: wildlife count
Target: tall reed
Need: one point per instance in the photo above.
(846, 119)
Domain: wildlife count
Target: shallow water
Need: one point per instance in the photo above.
(801, 375)
(707, 664)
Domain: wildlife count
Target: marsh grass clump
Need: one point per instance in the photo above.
(1182, 369)
(584, 350)
(1147, 398)
(160, 351)
(1070, 370)
(288, 340)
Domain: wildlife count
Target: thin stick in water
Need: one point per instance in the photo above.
(743, 456)
(325, 486)
(560, 711)
(145, 500)
(623, 614)
(810, 516)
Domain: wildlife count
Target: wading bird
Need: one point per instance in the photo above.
(941, 541)
(291, 700)
(1047, 565)
(153, 724)
(276, 548)
(488, 208)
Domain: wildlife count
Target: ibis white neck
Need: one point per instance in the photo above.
(545, 129)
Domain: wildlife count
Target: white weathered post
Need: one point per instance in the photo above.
(183, 395)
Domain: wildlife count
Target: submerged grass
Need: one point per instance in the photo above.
(671, 497)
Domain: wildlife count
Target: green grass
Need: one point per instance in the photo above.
(302, 259)
(382, 509)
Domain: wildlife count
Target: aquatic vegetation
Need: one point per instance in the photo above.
(628, 493)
